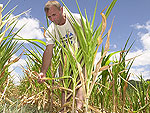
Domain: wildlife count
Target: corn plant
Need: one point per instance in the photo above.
(73, 58)
(138, 102)
(8, 47)
(104, 85)
(31, 92)
(89, 40)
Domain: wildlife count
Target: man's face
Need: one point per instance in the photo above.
(55, 15)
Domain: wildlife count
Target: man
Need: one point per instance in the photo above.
(60, 23)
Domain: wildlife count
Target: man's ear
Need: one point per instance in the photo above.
(61, 9)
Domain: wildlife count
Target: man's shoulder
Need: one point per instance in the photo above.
(76, 15)
(50, 29)
(51, 26)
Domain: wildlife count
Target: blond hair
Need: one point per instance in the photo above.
(52, 3)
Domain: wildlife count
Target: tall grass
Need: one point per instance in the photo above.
(106, 85)
(8, 48)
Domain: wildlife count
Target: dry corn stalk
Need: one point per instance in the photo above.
(98, 65)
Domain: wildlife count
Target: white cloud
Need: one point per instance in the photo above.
(16, 70)
(140, 65)
(144, 36)
(115, 46)
(20, 62)
(144, 26)
(142, 59)
(32, 28)
(97, 58)
(138, 26)
(146, 41)
(138, 72)
(14, 75)
(147, 26)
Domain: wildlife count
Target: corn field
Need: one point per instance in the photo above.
(106, 86)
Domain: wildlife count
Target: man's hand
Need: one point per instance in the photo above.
(40, 76)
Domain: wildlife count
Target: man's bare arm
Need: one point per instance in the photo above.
(46, 61)
(47, 56)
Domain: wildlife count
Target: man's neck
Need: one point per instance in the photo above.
(63, 20)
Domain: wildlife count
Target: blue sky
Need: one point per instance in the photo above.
(130, 16)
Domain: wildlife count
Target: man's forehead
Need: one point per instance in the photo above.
(52, 9)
